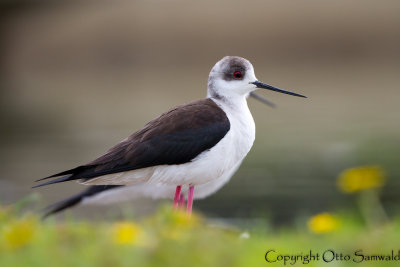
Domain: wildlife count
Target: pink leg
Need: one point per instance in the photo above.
(181, 201)
(177, 194)
(190, 199)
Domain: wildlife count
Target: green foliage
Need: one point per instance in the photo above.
(170, 238)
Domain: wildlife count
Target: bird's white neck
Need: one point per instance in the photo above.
(242, 128)
(234, 104)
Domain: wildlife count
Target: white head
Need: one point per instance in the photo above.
(233, 77)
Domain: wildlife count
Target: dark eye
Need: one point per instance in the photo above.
(237, 74)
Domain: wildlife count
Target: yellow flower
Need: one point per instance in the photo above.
(323, 223)
(126, 233)
(361, 178)
(17, 234)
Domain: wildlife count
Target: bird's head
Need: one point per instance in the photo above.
(234, 77)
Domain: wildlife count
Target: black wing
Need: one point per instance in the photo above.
(175, 137)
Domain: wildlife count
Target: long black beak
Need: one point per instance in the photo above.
(267, 86)
(262, 99)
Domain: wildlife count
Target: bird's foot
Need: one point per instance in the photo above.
(177, 196)
(190, 200)
(181, 201)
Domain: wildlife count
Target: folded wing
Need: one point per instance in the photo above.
(175, 137)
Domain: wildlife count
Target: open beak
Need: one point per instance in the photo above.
(259, 84)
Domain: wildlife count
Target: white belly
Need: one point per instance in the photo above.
(132, 192)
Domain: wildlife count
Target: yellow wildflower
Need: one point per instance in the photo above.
(19, 233)
(323, 223)
(126, 233)
(361, 178)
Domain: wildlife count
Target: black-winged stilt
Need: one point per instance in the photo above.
(200, 144)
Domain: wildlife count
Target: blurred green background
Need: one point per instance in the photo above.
(76, 77)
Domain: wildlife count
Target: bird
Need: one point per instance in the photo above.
(196, 144)
(110, 194)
